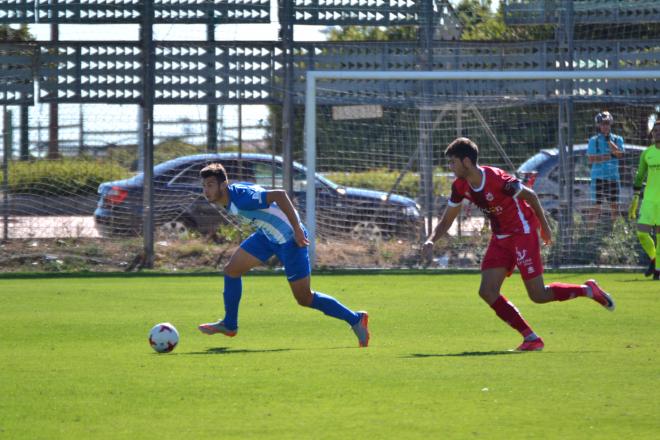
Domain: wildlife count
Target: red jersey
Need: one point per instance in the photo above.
(497, 199)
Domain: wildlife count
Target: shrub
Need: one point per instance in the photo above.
(384, 180)
(127, 155)
(61, 177)
(603, 243)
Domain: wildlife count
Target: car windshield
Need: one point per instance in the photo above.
(319, 177)
(327, 181)
(166, 167)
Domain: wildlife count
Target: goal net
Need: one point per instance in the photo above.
(374, 144)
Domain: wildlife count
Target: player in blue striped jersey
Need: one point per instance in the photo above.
(279, 232)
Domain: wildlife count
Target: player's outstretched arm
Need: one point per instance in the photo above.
(440, 230)
(530, 197)
(282, 199)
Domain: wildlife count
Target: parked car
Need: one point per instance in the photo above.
(541, 173)
(180, 205)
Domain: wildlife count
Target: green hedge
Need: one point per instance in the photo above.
(127, 155)
(61, 177)
(383, 180)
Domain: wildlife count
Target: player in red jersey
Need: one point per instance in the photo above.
(515, 216)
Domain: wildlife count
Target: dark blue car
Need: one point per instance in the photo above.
(179, 204)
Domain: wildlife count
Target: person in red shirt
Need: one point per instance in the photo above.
(515, 216)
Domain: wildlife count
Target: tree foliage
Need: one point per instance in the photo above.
(372, 33)
(9, 34)
(480, 23)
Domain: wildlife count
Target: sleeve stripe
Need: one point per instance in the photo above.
(450, 203)
(520, 188)
(264, 199)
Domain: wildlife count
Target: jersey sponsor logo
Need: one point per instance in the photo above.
(492, 210)
(524, 260)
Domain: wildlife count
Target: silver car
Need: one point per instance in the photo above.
(541, 173)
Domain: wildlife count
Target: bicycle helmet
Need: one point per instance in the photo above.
(604, 117)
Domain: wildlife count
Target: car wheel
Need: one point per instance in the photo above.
(366, 230)
(173, 229)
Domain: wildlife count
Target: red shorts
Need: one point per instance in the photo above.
(521, 250)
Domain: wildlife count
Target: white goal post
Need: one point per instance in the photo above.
(313, 76)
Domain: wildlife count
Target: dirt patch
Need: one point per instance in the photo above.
(185, 254)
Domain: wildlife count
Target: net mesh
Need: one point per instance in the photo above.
(384, 148)
(376, 139)
(79, 206)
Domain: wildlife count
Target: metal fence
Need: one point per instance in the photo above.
(151, 74)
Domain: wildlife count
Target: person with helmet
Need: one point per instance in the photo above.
(603, 153)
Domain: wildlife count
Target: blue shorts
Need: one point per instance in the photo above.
(294, 258)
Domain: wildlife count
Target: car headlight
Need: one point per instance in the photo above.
(411, 211)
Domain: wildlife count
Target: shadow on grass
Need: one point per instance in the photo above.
(227, 350)
(638, 279)
(463, 354)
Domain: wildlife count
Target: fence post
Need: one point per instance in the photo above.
(6, 144)
(212, 109)
(25, 134)
(288, 116)
(53, 106)
(148, 96)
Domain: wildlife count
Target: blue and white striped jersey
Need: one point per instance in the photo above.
(247, 201)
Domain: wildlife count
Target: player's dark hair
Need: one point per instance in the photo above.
(214, 169)
(461, 148)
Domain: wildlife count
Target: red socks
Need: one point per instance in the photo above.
(564, 292)
(508, 313)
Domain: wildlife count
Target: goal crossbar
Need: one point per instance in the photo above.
(313, 76)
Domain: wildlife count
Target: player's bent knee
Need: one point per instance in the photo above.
(304, 299)
(232, 271)
(538, 299)
(488, 295)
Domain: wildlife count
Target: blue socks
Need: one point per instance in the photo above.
(332, 307)
(232, 296)
(325, 303)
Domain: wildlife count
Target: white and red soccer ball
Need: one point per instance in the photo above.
(163, 337)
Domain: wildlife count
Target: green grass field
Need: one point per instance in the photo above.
(75, 362)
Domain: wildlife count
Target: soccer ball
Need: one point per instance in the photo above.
(163, 337)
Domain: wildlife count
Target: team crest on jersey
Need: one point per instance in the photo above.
(490, 196)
